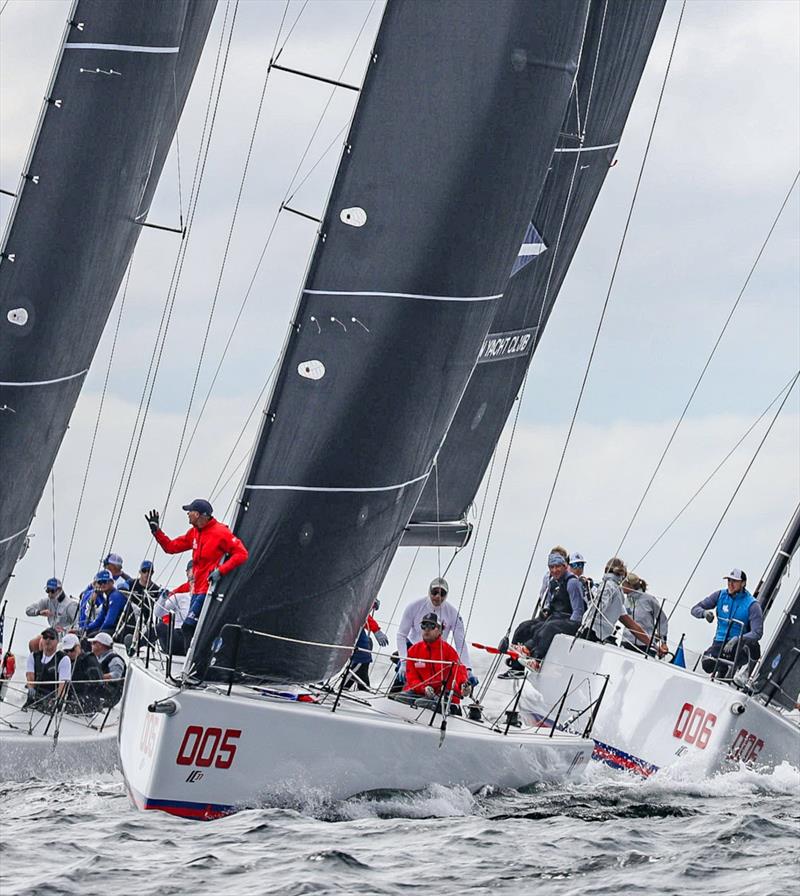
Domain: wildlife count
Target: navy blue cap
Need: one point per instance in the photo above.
(145, 565)
(104, 576)
(52, 584)
(201, 506)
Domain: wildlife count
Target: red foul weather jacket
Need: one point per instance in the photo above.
(208, 545)
(421, 672)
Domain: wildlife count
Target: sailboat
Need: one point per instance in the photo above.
(407, 278)
(120, 82)
(658, 716)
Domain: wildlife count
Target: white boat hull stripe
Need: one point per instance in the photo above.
(121, 48)
(61, 379)
(310, 488)
(585, 148)
(402, 295)
(15, 535)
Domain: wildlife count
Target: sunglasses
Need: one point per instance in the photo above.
(429, 625)
(48, 638)
(51, 590)
(435, 591)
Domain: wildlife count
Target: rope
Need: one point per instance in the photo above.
(98, 417)
(736, 490)
(713, 473)
(707, 364)
(602, 314)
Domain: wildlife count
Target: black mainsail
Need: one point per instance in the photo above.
(119, 86)
(618, 40)
(449, 147)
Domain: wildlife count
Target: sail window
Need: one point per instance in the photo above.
(355, 217)
(311, 370)
(18, 316)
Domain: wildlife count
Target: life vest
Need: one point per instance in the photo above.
(560, 604)
(46, 674)
(733, 614)
(113, 685)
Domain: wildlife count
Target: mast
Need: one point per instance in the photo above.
(619, 35)
(768, 587)
(448, 151)
(119, 85)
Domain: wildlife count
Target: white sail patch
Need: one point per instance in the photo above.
(355, 217)
(18, 316)
(502, 346)
(532, 246)
(311, 370)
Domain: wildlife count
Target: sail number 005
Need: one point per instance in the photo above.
(694, 725)
(206, 746)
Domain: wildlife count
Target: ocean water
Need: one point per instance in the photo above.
(609, 834)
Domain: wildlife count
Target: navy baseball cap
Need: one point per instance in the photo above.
(201, 506)
(52, 585)
(104, 576)
(145, 565)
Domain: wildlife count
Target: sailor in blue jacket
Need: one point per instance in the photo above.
(109, 605)
(740, 623)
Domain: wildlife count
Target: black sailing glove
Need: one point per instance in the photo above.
(152, 520)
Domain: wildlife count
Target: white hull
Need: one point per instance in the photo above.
(220, 753)
(80, 748)
(655, 715)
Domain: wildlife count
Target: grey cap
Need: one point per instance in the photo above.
(439, 582)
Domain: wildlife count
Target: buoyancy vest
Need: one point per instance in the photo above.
(113, 685)
(733, 614)
(46, 674)
(560, 604)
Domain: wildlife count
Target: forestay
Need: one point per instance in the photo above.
(450, 143)
(112, 108)
(618, 41)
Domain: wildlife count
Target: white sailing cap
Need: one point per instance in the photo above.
(736, 575)
(103, 638)
(576, 558)
(439, 582)
(69, 642)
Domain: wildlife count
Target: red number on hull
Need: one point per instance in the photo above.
(746, 746)
(201, 746)
(694, 725)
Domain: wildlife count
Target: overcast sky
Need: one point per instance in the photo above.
(725, 151)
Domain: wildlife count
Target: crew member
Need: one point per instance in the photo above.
(740, 623)
(112, 667)
(113, 563)
(433, 666)
(210, 541)
(86, 687)
(645, 609)
(358, 670)
(607, 608)
(409, 631)
(142, 596)
(109, 604)
(175, 603)
(48, 670)
(59, 610)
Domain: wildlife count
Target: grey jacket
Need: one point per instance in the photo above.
(645, 609)
(60, 613)
(605, 607)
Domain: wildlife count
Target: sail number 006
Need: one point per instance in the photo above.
(694, 725)
(204, 746)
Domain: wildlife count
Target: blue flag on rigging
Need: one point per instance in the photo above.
(532, 246)
(679, 658)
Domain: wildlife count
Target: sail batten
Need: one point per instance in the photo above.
(94, 163)
(430, 202)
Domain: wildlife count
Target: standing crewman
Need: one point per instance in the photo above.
(59, 610)
(211, 542)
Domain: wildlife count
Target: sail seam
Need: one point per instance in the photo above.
(61, 379)
(122, 48)
(402, 295)
(585, 148)
(313, 488)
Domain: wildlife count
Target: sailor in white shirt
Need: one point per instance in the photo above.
(409, 629)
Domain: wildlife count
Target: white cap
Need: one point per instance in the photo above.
(576, 558)
(103, 638)
(736, 575)
(69, 642)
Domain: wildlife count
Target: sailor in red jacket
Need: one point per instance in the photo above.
(211, 542)
(434, 664)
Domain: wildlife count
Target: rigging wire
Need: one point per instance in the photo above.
(177, 149)
(221, 274)
(98, 417)
(289, 194)
(175, 282)
(713, 473)
(736, 491)
(707, 364)
(53, 508)
(603, 311)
